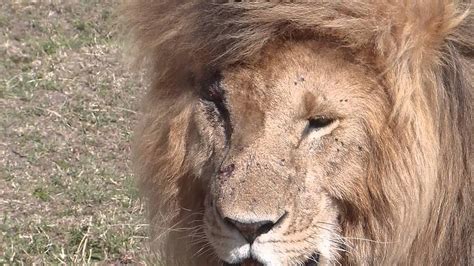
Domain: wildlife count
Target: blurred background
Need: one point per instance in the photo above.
(68, 106)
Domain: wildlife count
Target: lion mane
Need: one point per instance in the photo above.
(423, 52)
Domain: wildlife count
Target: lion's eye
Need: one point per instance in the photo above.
(319, 126)
(211, 89)
(213, 93)
(213, 96)
(319, 122)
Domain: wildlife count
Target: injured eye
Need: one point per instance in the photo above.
(213, 93)
(319, 122)
(211, 89)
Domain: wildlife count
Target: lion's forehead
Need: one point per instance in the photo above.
(299, 67)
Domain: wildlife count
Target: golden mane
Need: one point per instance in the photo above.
(423, 51)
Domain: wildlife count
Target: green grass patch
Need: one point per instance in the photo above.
(41, 193)
(65, 127)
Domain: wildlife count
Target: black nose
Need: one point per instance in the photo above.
(250, 231)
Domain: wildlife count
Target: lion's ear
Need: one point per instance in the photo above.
(415, 29)
(412, 47)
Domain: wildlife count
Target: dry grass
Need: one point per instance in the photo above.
(67, 109)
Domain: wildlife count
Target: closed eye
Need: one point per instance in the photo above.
(211, 89)
(212, 94)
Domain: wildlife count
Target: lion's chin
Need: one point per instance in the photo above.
(313, 261)
(246, 262)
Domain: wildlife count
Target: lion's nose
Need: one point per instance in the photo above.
(250, 231)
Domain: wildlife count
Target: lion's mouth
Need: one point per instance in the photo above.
(313, 261)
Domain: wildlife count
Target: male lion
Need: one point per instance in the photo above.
(305, 132)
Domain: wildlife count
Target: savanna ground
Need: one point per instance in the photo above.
(67, 105)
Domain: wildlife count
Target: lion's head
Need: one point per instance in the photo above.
(303, 133)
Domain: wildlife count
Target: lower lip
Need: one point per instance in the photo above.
(251, 262)
(246, 262)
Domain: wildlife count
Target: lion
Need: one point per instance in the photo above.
(306, 132)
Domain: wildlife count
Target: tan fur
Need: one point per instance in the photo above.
(394, 178)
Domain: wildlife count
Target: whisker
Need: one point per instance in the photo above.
(371, 240)
(203, 251)
(205, 246)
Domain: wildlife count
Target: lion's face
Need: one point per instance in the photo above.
(291, 143)
(290, 132)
